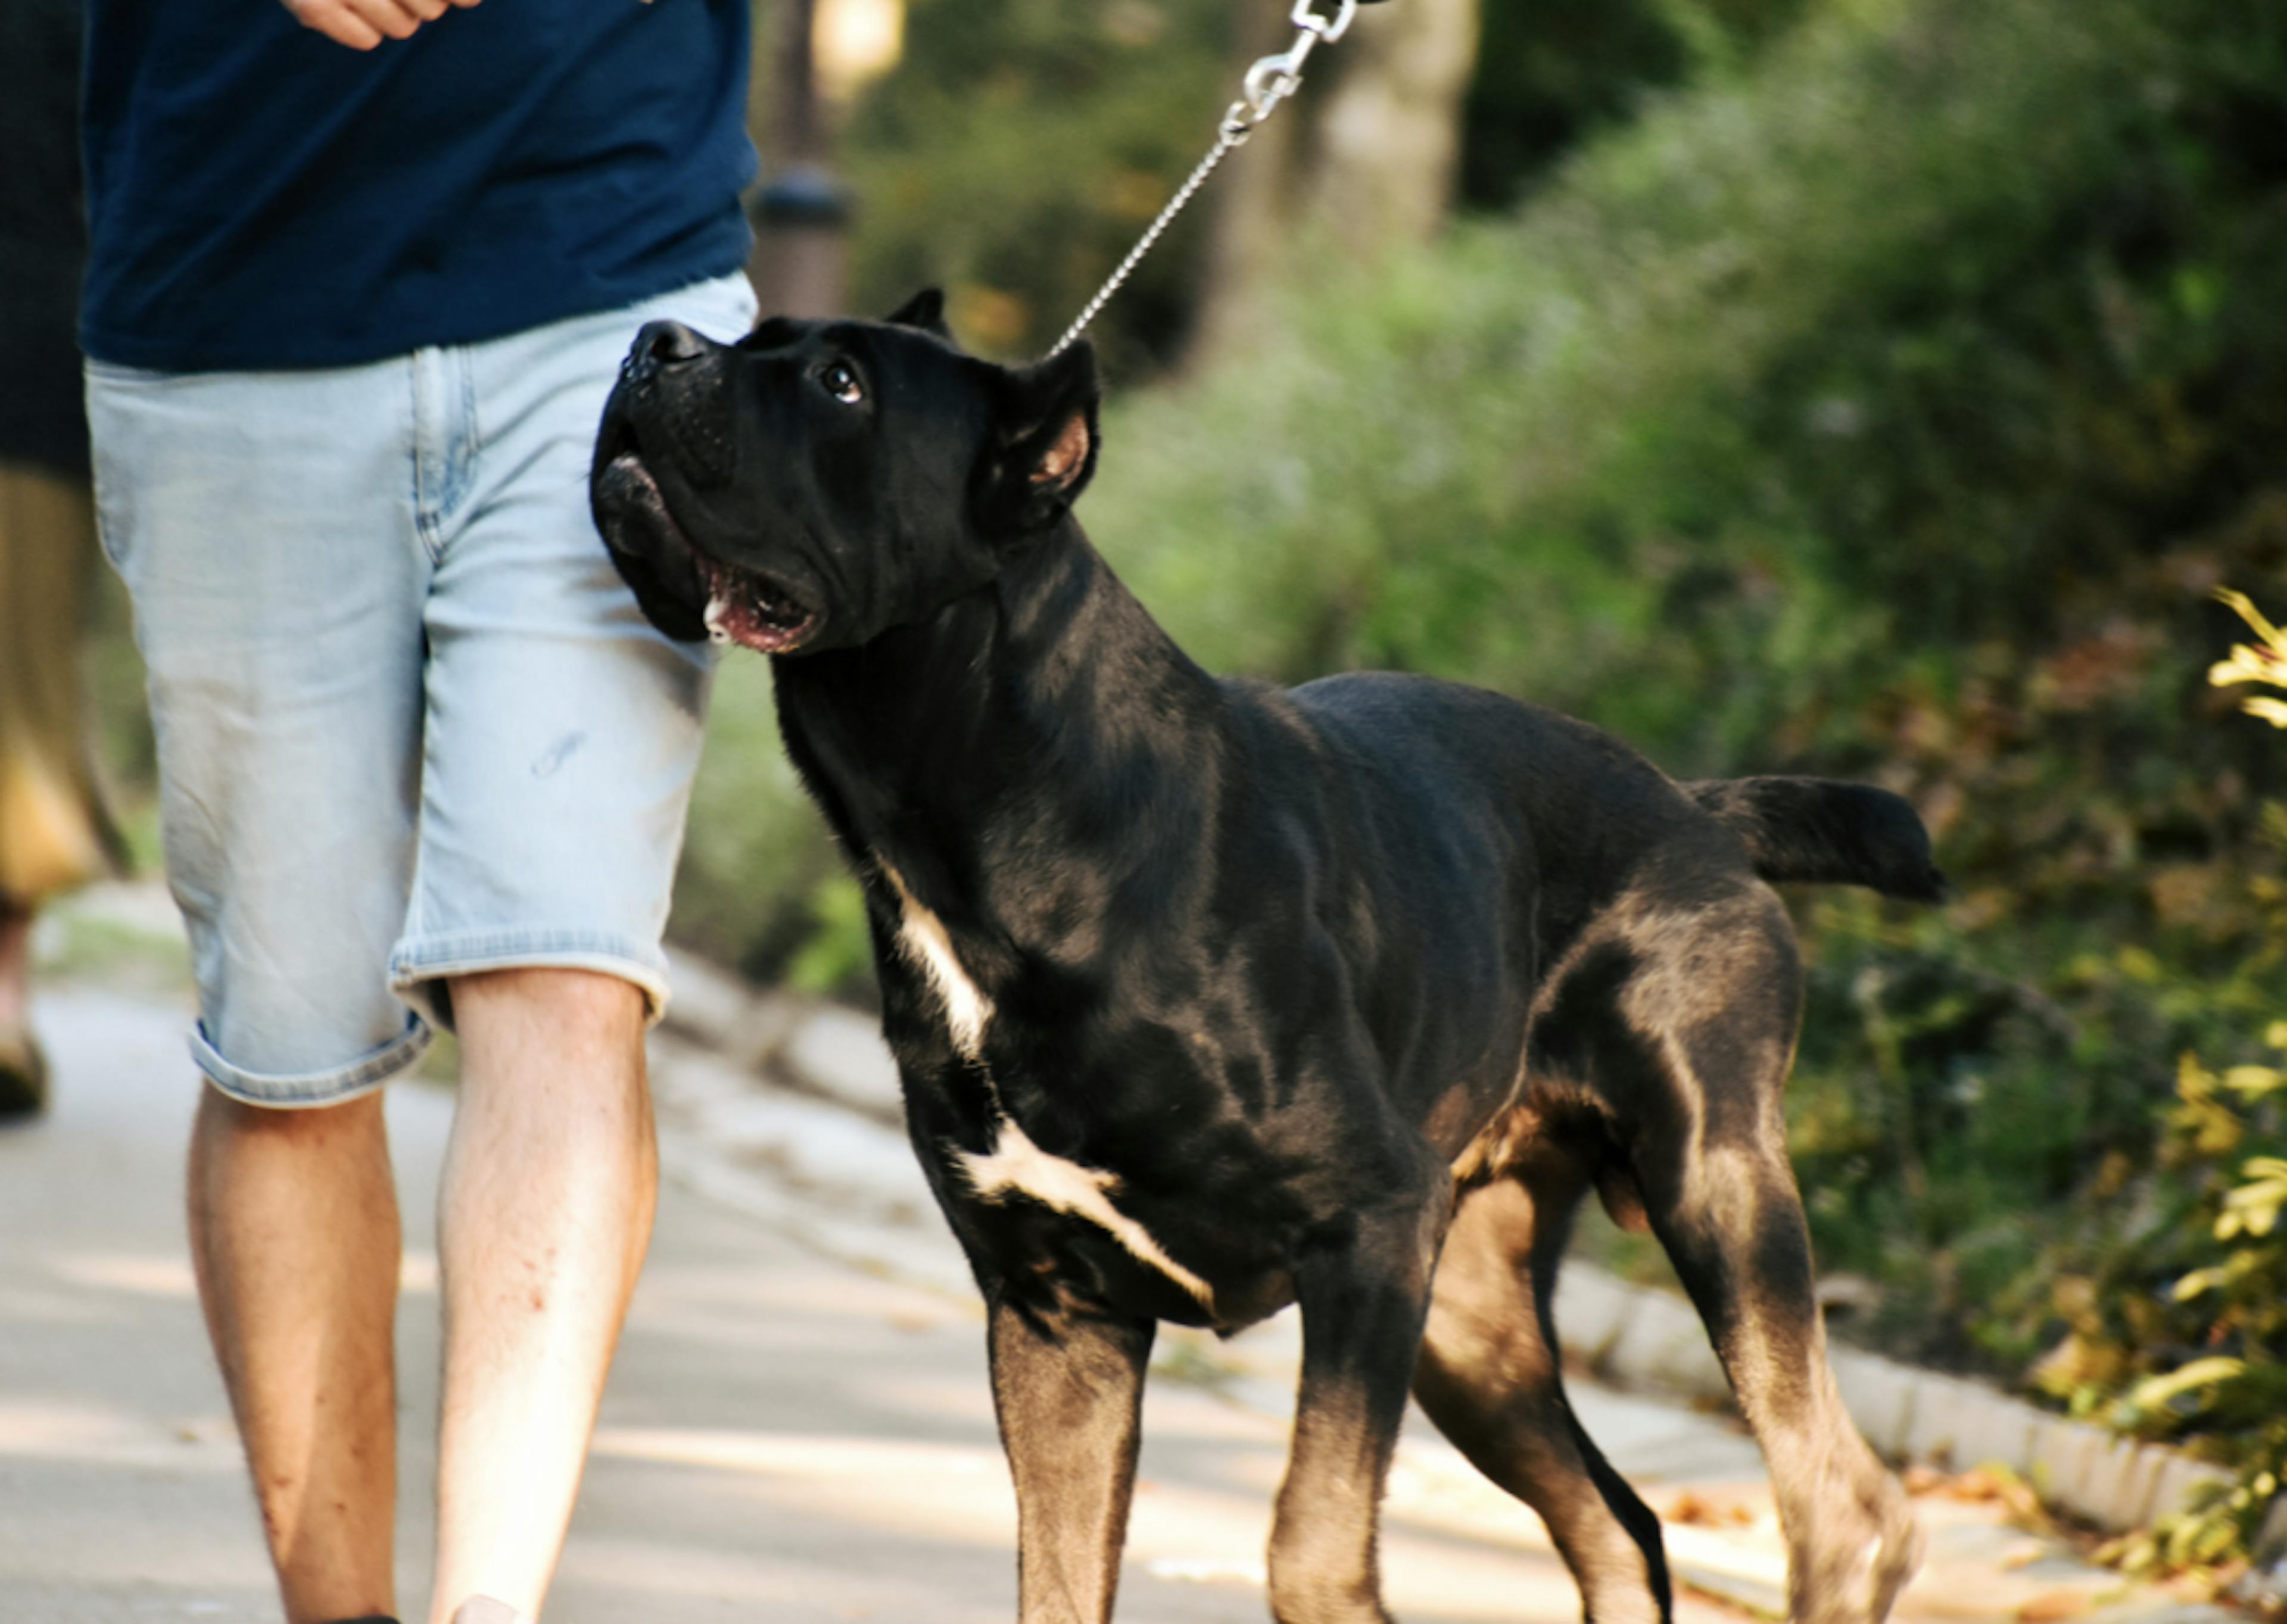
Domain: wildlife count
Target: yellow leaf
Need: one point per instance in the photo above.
(2243, 606)
(2245, 665)
(2199, 1372)
(2197, 1283)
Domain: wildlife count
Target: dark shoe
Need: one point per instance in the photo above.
(23, 1076)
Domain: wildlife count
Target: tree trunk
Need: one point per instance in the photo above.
(1389, 138)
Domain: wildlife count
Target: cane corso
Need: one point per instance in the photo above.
(1210, 996)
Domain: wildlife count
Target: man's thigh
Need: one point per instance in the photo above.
(562, 731)
(264, 523)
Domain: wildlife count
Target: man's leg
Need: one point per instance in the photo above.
(546, 1210)
(562, 735)
(293, 1232)
(263, 525)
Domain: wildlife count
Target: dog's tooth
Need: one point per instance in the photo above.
(718, 608)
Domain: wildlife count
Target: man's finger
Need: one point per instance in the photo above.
(363, 24)
(336, 22)
(391, 17)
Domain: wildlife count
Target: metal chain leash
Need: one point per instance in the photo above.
(1268, 82)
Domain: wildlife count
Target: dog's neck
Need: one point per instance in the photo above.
(1045, 710)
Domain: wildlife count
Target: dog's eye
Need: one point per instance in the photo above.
(840, 381)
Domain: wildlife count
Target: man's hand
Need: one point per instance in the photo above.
(363, 24)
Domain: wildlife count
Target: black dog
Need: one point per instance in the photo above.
(1210, 997)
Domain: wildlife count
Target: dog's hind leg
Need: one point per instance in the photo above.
(1722, 1199)
(1067, 1387)
(1490, 1378)
(1362, 1301)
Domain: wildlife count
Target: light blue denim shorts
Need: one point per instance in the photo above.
(410, 723)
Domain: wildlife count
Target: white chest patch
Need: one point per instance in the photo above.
(1017, 1166)
(924, 938)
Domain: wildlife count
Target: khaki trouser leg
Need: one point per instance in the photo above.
(53, 833)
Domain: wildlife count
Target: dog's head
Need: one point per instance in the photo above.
(818, 482)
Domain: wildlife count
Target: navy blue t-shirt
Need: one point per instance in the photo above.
(259, 196)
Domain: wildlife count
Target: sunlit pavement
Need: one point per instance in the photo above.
(798, 1427)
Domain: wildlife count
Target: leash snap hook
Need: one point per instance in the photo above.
(1274, 78)
(1327, 29)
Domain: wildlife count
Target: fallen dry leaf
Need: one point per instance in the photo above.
(1976, 1486)
(1921, 1479)
(1692, 1510)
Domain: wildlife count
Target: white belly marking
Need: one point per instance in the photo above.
(1019, 1165)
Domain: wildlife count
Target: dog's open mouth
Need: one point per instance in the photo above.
(742, 606)
(749, 609)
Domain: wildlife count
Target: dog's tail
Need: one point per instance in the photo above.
(1827, 832)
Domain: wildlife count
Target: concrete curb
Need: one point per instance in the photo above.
(1634, 1335)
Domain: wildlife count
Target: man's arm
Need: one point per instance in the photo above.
(363, 24)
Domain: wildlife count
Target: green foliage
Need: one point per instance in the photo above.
(2179, 1326)
(838, 956)
(1549, 77)
(757, 853)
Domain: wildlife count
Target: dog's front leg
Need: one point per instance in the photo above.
(1363, 1307)
(1067, 1386)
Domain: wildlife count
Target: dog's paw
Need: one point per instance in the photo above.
(1859, 1581)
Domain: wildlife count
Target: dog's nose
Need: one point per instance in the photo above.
(663, 343)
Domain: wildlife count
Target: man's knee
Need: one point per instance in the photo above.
(565, 1006)
(311, 1126)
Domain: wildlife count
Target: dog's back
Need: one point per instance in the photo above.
(1584, 812)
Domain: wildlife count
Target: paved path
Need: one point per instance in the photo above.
(798, 1427)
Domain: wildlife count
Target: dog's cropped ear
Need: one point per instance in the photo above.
(925, 309)
(1044, 444)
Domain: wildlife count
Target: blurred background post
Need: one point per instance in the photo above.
(824, 53)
